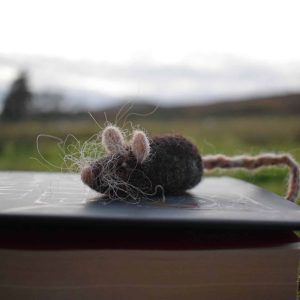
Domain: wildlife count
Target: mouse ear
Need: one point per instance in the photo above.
(140, 145)
(113, 140)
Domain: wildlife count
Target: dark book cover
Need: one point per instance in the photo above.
(217, 202)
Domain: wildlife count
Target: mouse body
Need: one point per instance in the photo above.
(166, 165)
(169, 164)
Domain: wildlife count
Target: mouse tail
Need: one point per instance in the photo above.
(219, 161)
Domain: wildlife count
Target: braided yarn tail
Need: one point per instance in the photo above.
(220, 161)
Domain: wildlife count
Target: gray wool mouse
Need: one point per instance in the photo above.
(168, 165)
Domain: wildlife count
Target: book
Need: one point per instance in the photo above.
(225, 239)
(221, 202)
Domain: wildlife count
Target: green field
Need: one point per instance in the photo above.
(231, 136)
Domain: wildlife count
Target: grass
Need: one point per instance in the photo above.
(252, 135)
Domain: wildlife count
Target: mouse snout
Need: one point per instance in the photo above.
(87, 175)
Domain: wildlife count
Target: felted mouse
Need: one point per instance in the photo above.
(168, 165)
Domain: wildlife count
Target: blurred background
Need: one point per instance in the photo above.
(224, 73)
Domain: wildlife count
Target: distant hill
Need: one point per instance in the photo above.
(266, 106)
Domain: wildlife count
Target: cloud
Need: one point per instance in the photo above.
(194, 80)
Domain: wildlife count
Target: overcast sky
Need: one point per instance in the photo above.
(167, 49)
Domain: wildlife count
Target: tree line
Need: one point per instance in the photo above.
(20, 102)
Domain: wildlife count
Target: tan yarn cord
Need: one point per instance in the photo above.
(219, 161)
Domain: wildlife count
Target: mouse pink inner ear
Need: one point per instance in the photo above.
(113, 140)
(140, 145)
